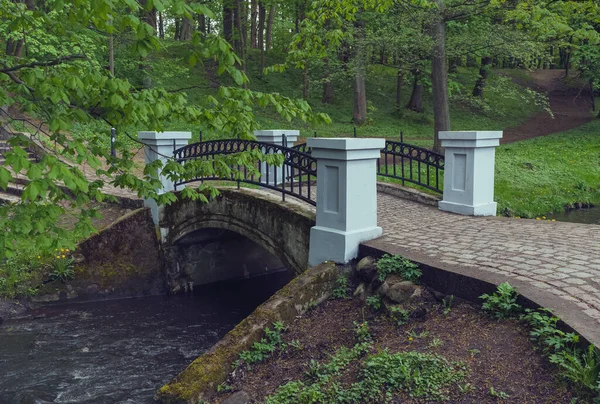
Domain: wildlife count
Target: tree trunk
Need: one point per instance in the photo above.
(416, 97)
(470, 60)
(328, 91)
(567, 63)
(111, 55)
(228, 21)
(269, 32)
(260, 35)
(149, 16)
(399, 79)
(593, 99)
(305, 82)
(453, 68)
(187, 28)
(202, 24)
(238, 39)
(253, 17)
(360, 95)
(483, 75)
(439, 77)
(177, 33)
(161, 26)
(15, 48)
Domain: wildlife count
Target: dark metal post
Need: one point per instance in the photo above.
(355, 131)
(315, 133)
(401, 137)
(284, 140)
(113, 140)
(201, 136)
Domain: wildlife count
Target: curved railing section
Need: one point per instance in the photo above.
(413, 164)
(296, 177)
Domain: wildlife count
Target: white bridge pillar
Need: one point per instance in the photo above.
(346, 197)
(160, 146)
(273, 175)
(469, 172)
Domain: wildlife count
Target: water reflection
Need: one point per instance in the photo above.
(590, 215)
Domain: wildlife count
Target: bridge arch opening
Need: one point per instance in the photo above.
(214, 254)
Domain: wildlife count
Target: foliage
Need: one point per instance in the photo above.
(447, 302)
(398, 265)
(362, 331)
(502, 304)
(581, 367)
(20, 273)
(262, 349)
(62, 266)
(498, 394)
(342, 287)
(399, 314)
(60, 79)
(374, 302)
(545, 332)
(420, 375)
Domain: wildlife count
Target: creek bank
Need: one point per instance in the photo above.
(496, 356)
(200, 379)
(122, 260)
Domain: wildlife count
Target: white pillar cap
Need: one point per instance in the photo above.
(346, 148)
(473, 139)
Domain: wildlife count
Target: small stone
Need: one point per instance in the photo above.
(85, 350)
(239, 397)
(366, 269)
(92, 289)
(398, 291)
(360, 291)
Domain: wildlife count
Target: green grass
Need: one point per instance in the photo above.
(548, 174)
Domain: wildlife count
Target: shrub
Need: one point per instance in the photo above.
(503, 303)
(62, 267)
(396, 264)
(264, 348)
(374, 302)
(581, 367)
(341, 290)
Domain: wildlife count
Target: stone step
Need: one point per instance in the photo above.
(8, 198)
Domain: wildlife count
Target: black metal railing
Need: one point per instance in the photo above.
(295, 177)
(409, 163)
(406, 163)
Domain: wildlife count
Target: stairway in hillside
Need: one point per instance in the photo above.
(13, 192)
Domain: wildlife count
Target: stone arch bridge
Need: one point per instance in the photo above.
(282, 229)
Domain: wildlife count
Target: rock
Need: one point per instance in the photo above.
(92, 289)
(239, 397)
(360, 291)
(399, 291)
(366, 269)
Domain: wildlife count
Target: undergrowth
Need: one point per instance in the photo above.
(579, 366)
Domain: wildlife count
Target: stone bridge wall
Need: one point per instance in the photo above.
(281, 228)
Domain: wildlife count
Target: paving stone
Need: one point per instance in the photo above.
(560, 258)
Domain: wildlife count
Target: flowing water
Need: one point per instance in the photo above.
(119, 351)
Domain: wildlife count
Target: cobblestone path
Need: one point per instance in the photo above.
(558, 258)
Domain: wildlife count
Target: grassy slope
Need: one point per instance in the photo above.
(547, 174)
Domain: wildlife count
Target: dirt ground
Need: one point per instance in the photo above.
(498, 354)
(570, 103)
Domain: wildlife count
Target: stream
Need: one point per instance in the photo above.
(119, 351)
(586, 215)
